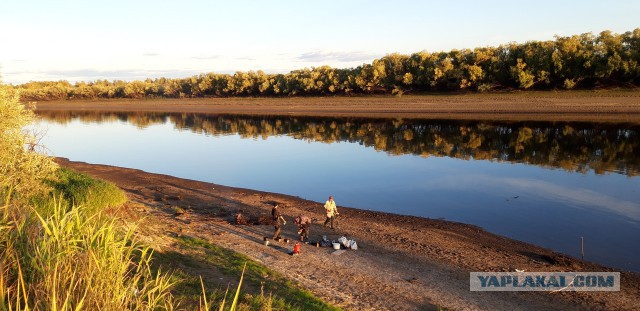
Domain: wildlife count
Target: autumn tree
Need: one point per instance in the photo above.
(584, 61)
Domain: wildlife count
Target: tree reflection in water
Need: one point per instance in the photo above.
(574, 147)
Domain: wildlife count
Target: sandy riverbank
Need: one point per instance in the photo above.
(404, 262)
(588, 106)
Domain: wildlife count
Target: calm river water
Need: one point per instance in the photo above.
(545, 183)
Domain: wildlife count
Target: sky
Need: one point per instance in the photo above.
(137, 39)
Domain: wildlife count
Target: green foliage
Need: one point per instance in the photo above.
(285, 295)
(524, 77)
(581, 61)
(83, 190)
(56, 258)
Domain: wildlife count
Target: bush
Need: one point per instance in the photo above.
(82, 190)
(22, 170)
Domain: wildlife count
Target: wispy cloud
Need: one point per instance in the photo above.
(579, 198)
(205, 57)
(75, 75)
(151, 54)
(322, 56)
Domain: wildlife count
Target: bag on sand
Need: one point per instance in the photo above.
(348, 243)
(353, 244)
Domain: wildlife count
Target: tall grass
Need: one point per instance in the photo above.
(60, 256)
(204, 302)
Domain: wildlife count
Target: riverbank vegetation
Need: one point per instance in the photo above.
(58, 248)
(583, 61)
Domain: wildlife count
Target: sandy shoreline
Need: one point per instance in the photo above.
(534, 106)
(404, 262)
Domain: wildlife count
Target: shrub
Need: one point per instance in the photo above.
(82, 190)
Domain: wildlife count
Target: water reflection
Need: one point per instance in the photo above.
(574, 147)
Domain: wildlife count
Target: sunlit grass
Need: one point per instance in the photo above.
(83, 190)
(276, 292)
(55, 256)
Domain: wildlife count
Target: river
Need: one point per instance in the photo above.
(549, 184)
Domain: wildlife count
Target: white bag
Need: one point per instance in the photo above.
(352, 244)
(344, 241)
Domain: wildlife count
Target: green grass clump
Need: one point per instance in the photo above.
(82, 190)
(69, 259)
(60, 256)
(283, 294)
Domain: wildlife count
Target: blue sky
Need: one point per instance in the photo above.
(87, 40)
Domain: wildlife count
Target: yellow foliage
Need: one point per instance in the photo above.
(21, 168)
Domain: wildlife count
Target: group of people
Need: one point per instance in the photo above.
(303, 222)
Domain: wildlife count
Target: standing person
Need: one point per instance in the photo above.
(278, 220)
(332, 211)
(303, 223)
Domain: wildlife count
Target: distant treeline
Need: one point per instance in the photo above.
(574, 147)
(580, 61)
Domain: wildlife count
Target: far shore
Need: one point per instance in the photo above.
(585, 106)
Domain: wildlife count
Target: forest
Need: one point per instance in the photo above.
(583, 61)
(574, 147)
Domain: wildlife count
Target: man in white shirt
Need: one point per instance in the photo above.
(332, 211)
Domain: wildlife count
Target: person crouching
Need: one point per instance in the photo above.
(304, 224)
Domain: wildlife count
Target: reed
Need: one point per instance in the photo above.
(69, 260)
(60, 256)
